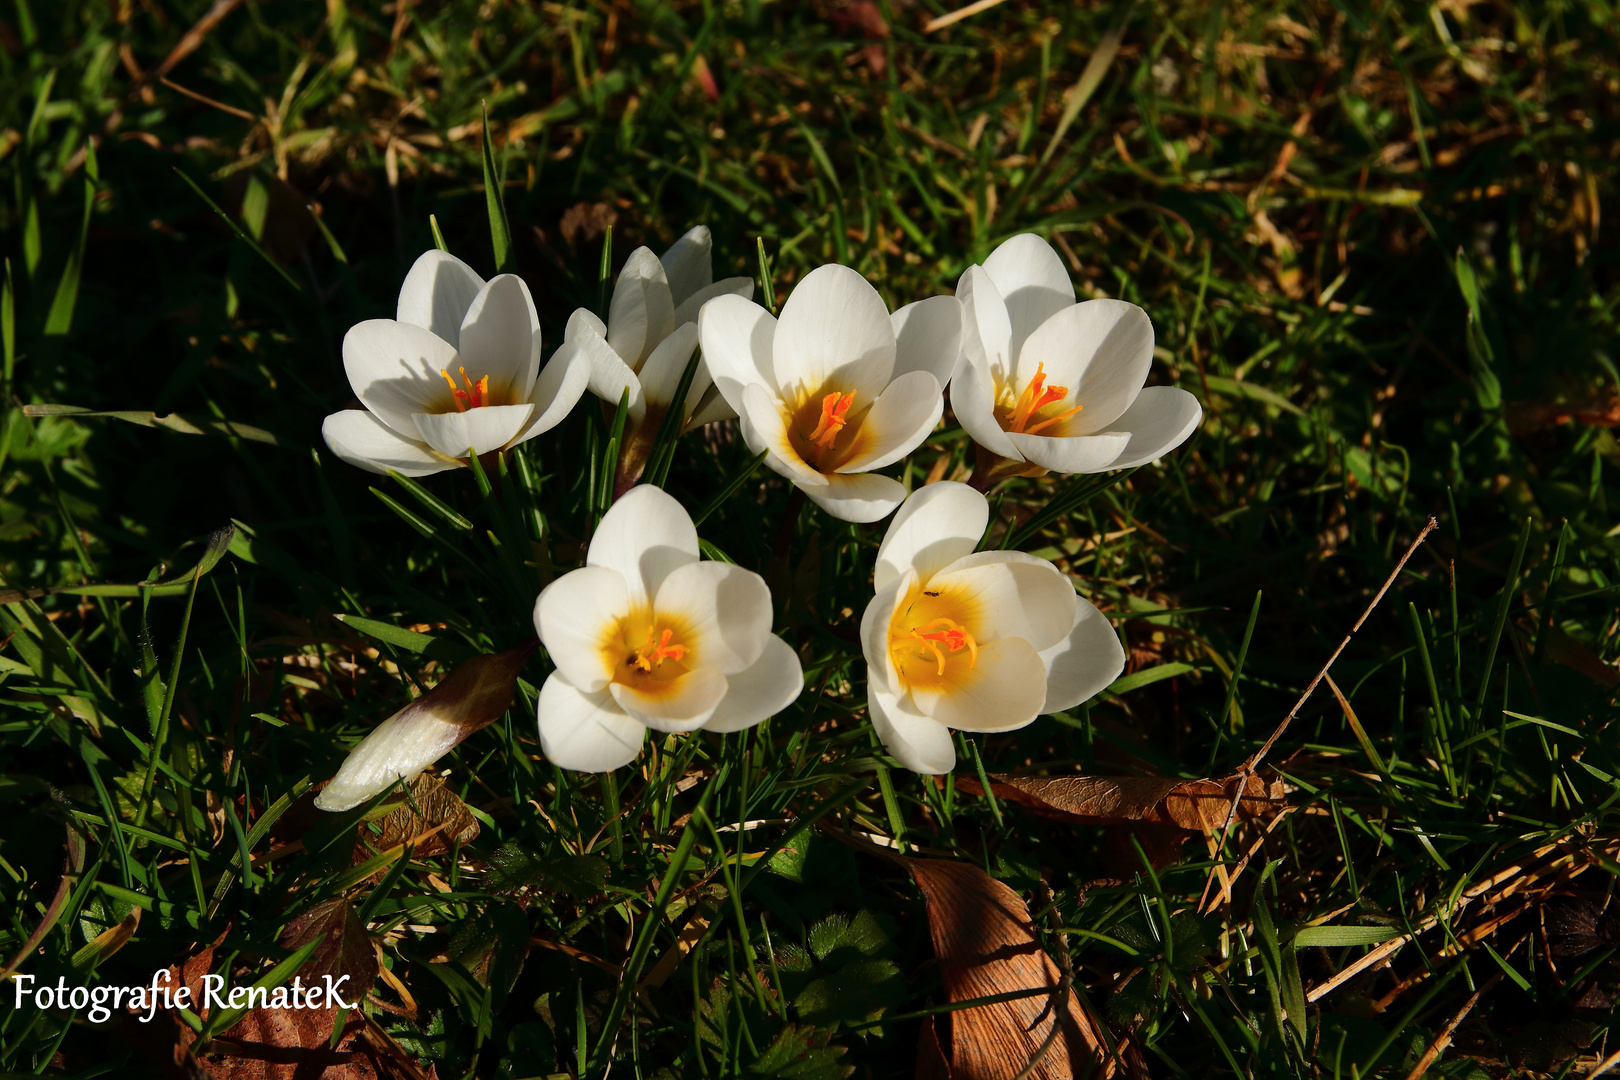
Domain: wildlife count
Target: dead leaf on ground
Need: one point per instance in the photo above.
(432, 816)
(1525, 417)
(1194, 805)
(1565, 650)
(985, 943)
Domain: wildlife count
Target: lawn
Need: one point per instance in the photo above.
(1369, 237)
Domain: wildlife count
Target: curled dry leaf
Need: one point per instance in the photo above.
(985, 943)
(1195, 805)
(432, 817)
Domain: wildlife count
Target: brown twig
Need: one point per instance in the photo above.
(1443, 1039)
(193, 38)
(1258, 756)
(1060, 997)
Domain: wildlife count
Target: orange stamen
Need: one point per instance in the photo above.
(834, 415)
(1036, 396)
(475, 396)
(952, 635)
(650, 655)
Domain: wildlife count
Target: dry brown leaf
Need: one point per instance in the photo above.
(985, 943)
(1195, 805)
(433, 817)
(1565, 650)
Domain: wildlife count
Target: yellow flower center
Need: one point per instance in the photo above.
(647, 650)
(651, 655)
(825, 428)
(474, 396)
(1035, 397)
(929, 636)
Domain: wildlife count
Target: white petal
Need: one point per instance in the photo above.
(397, 749)
(586, 732)
(726, 608)
(1012, 594)
(738, 338)
(860, 497)
(902, 417)
(499, 338)
(394, 369)
(661, 374)
(928, 337)
(1003, 691)
(937, 525)
(561, 384)
(1084, 663)
(610, 376)
(1071, 454)
(437, 293)
(834, 332)
(361, 439)
(1100, 350)
(761, 691)
(582, 318)
(578, 619)
(644, 536)
(687, 263)
(710, 408)
(482, 430)
(641, 313)
(986, 329)
(683, 704)
(875, 621)
(764, 427)
(973, 402)
(1159, 420)
(1032, 281)
(687, 310)
(916, 742)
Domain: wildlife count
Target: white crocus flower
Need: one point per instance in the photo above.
(648, 339)
(458, 370)
(1046, 383)
(982, 641)
(646, 636)
(470, 697)
(836, 387)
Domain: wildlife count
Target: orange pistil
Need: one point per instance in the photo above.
(950, 634)
(1036, 396)
(476, 394)
(651, 655)
(834, 415)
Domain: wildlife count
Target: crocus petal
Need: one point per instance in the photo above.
(610, 375)
(986, 330)
(858, 497)
(1071, 454)
(687, 310)
(738, 338)
(1085, 662)
(661, 374)
(472, 696)
(641, 313)
(481, 430)
(764, 428)
(760, 691)
(726, 609)
(1004, 690)
(437, 293)
(973, 402)
(644, 536)
(499, 339)
(577, 617)
(1011, 594)
(880, 671)
(937, 525)
(710, 408)
(1101, 351)
(561, 384)
(687, 263)
(361, 439)
(586, 732)
(394, 368)
(928, 337)
(900, 419)
(834, 333)
(1032, 281)
(1159, 420)
(916, 742)
(683, 704)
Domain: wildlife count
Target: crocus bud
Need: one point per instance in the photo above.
(472, 696)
